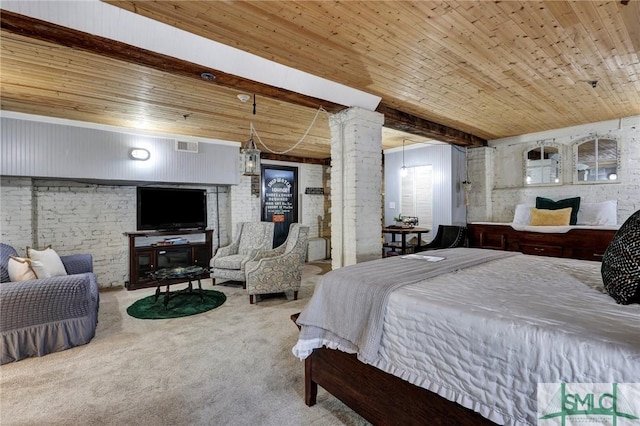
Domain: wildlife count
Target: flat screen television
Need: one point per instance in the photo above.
(171, 209)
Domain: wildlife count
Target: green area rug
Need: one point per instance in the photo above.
(180, 305)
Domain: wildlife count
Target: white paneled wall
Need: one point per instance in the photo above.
(38, 149)
(448, 172)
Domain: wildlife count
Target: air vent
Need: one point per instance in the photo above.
(187, 146)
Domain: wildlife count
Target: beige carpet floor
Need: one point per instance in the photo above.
(230, 366)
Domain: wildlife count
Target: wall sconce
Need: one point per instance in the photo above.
(139, 154)
(466, 187)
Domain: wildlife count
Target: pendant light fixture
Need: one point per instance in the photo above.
(403, 170)
(250, 153)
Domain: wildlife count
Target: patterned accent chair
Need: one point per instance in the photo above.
(229, 262)
(47, 315)
(280, 269)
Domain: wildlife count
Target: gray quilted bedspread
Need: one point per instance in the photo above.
(348, 304)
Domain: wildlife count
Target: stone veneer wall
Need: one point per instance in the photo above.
(497, 178)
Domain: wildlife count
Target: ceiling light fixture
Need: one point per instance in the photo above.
(139, 154)
(250, 153)
(207, 76)
(403, 170)
(243, 98)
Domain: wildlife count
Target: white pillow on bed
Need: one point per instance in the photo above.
(522, 216)
(598, 214)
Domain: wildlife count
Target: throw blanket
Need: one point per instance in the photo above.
(348, 304)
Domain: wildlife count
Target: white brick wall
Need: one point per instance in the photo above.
(92, 218)
(311, 208)
(87, 218)
(356, 186)
(82, 218)
(16, 218)
(245, 207)
(478, 162)
(497, 176)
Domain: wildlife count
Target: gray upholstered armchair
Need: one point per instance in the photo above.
(40, 316)
(228, 264)
(280, 269)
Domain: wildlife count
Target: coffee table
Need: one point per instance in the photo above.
(169, 276)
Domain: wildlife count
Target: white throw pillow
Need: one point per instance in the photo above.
(46, 263)
(40, 270)
(598, 214)
(522, 216)
(20, 269)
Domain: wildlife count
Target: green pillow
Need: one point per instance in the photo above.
(549, 204)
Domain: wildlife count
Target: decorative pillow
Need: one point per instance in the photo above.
(598, 214)
(20, 269)
(548, 204)
(40, 270)
(542, 217)
(522, 216)
(46, 263)
(621, 263)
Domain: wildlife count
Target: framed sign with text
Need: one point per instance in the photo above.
(279, 199)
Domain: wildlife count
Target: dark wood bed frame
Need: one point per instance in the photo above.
(379, 397)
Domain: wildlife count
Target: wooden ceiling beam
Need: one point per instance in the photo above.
(295, 159)
(56, 34)
(398, 120)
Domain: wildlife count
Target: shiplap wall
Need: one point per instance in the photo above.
(448, 168)
(37, 149)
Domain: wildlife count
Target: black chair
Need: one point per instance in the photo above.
(448, 236)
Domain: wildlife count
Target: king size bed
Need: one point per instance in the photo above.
(463, 336)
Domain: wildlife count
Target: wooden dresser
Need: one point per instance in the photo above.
(588, 244)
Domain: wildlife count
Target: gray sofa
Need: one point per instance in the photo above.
(47, 315)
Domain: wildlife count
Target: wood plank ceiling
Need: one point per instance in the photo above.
(483, 70)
